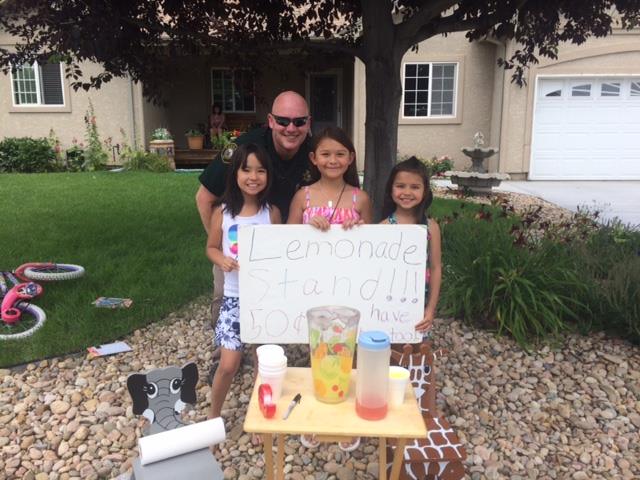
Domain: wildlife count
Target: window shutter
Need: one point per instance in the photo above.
(51, 84)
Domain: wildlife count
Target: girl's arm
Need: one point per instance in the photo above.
(435, 270)
(296, 208)
(275, 216)
(214, 243)
(364, 208)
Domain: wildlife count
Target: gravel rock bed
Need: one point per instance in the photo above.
(572, 411)
(519, 202)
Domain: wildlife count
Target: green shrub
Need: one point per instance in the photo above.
(75, 159)
(219, 142)
(535, 295)
(610, 258)
(26, 155)
(95, 157)
(532, 293)
(141, 160)
(622, 294)
(435, 165)
(438, 165)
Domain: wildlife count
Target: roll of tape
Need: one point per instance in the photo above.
(265, 399)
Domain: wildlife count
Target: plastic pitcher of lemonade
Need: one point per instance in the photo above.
(374, 351)
(332, 342)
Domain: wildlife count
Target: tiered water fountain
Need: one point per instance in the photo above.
(477, 180)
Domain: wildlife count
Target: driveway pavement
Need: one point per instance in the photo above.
(612, 199)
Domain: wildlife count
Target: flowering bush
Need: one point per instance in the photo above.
(54, 143)
(218, 142)
(438, 165)
(95, 157)
(161, 134)
(435, 165)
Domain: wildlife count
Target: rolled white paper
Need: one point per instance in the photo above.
(172, 443)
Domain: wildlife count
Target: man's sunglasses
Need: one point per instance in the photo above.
(285, 121)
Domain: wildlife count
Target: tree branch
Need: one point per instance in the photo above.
(453, 23)
(322, 45)
(427, 11)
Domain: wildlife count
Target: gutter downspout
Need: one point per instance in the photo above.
(134, 132)
(500, 109)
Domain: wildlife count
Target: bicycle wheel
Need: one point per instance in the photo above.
(33, 317)
(48, 272)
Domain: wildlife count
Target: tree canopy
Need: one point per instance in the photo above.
(133, 37)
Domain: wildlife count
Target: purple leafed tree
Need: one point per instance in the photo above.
(139, 37)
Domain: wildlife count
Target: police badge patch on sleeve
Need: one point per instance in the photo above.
(227, 152)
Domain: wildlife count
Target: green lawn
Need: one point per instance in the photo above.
(138, 235)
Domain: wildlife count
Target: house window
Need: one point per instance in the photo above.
(582, 90)
(635, 89)
(233, 89)
(36, 85)
(610, 89)
(429, 89)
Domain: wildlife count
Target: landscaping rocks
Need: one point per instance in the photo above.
(571, 411)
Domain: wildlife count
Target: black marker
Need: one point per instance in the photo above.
(294, 402)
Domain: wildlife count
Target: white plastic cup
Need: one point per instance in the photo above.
(274, 377)
(272, 367)
(269, 349)
(398, 379)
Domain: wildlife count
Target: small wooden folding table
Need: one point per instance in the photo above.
(332, 422)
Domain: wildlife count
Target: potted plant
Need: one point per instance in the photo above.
(162, 144)
(195, 139)
(161, 134)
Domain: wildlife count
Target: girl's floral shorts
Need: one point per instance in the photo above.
(227, 332)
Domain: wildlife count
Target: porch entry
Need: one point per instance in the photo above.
(324, 93)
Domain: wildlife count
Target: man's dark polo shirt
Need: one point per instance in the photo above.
(289, 174)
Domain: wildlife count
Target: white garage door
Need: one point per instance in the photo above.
(586, 129)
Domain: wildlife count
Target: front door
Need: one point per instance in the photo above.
(324, 91)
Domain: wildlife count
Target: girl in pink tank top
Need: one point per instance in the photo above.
(335, 197)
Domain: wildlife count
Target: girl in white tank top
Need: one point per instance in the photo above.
(244, 202)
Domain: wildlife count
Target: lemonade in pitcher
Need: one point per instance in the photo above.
(332, 341)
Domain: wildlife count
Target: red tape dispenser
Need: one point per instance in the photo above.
(265, 399)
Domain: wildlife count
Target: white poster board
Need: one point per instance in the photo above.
(287, 269)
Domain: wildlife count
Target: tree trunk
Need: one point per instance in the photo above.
(383, 94)
(381, 128)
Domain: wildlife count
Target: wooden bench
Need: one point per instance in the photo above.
(194, 158)
(440, 455)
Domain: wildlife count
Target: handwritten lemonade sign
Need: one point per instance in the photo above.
(287, 269)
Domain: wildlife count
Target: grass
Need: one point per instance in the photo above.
(138, 235)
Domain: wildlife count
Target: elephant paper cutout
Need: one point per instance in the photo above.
(162, 394)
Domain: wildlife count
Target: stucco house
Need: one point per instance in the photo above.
(578, 117)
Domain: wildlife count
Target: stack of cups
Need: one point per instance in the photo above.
(398, 379)
(272, 367)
